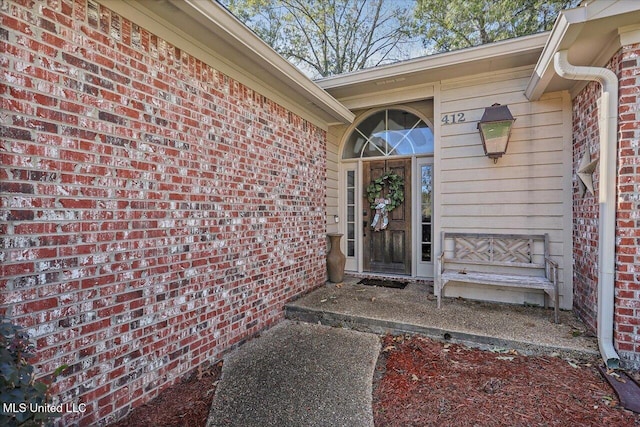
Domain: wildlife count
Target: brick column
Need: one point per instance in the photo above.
(627, 307)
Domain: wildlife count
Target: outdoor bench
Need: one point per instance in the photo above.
(522, 261)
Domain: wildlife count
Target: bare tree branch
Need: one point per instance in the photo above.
(328, 36)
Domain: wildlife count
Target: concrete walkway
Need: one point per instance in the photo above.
(298, 374)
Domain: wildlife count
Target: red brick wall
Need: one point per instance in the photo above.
(585, 208)
(155, 212)
(627, 282)
(627, 310)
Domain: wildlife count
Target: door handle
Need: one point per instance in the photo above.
(364, 226)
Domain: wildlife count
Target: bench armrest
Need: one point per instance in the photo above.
(551, 270)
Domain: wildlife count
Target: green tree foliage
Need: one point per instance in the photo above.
(21, 395)
(327, 37)
(447, 25)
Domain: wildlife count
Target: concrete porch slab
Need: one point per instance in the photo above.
(529, 330)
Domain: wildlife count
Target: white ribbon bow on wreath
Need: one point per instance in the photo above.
(381, 212)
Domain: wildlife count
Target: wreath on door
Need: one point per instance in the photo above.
(394, 185)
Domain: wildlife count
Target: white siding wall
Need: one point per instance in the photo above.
(527, 191)
(334, 137)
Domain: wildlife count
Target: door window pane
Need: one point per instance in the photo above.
(389, 133)
(426, 209)
(351, 213)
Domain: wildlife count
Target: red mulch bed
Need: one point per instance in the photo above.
(421, 382)
(184, 404)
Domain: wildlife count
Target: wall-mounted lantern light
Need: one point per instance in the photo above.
(495, 129)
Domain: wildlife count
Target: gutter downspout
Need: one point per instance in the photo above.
(608, 124)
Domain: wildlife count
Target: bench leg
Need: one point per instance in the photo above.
(556, 309)
(440, 288)
(556, 295)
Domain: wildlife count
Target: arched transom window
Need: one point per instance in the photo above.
(389, 133)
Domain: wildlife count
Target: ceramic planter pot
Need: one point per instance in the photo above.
(335, 259)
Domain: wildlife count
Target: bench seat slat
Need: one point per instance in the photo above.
(494, 263)
(515, 281)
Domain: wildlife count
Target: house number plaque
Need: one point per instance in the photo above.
(453, 118)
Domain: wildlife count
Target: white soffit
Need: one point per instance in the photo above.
(590, 33)
(206, 30)
(417, 72)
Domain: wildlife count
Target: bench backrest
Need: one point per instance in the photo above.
(513, 250)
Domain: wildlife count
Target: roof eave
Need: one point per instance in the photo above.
(571, 26)
(441, 66)
(564, 31)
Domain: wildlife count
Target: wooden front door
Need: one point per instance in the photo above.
(388, 250)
